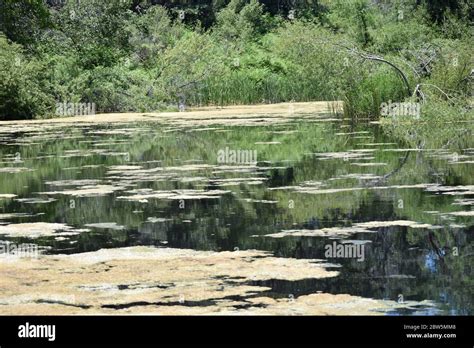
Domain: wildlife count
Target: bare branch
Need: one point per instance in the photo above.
(402, 74)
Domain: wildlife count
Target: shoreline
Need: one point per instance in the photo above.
(202, 113)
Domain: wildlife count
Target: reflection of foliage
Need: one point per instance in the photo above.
(443, 126)
(230, 221)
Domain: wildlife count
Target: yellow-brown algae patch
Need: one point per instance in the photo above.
(130, 172)
(153, 219)
(340, 155)
(466, 201)
(452, 190)
(405, 186)
(461, 162)
(238, 181)
(123, 131)
(373, 164)
(353, 133)
(358, 176)
(342, 232)
(35, 200)
(143, 194)
(251, 200)
(311, 190)
(231, 115)
(332, 232)
(7, 195)
(283, 131)
(73, 182)
(458, 193)
(327, 304)
(120, 168)
(267, 143)
(39, 229)
(405, 223)
(6, 216)
(192, 179)
(326, 191)
(106, 225)
(144, 279)
(87, 191)
(402, 150)
(13, 170)
(463, 213)
(203, 129)
(376, 144)
(71, 155)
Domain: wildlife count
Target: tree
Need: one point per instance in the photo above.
(21, 20)
(23, 92)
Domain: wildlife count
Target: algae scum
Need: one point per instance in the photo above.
(144, 217)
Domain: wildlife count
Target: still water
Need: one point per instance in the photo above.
(309, 184)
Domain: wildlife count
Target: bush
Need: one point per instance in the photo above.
(183, 68)
(241, 21)
(452, 69)
(128, 58)
(22, 20)
(118, 89)
(151, 34)
(23, 86)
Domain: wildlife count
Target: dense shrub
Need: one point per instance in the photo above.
(24, 91)
(141, 56)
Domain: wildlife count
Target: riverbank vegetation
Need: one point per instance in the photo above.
(158, 55)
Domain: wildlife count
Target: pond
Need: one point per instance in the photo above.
(299, 188)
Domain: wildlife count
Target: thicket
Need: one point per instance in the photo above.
(154, 55)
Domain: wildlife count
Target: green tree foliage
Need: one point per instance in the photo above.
(147, 55)
(21, 20)
(23, 84)
(241, 21)
(439, 8)
(151, 34)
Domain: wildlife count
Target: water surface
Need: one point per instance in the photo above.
(315, 181)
